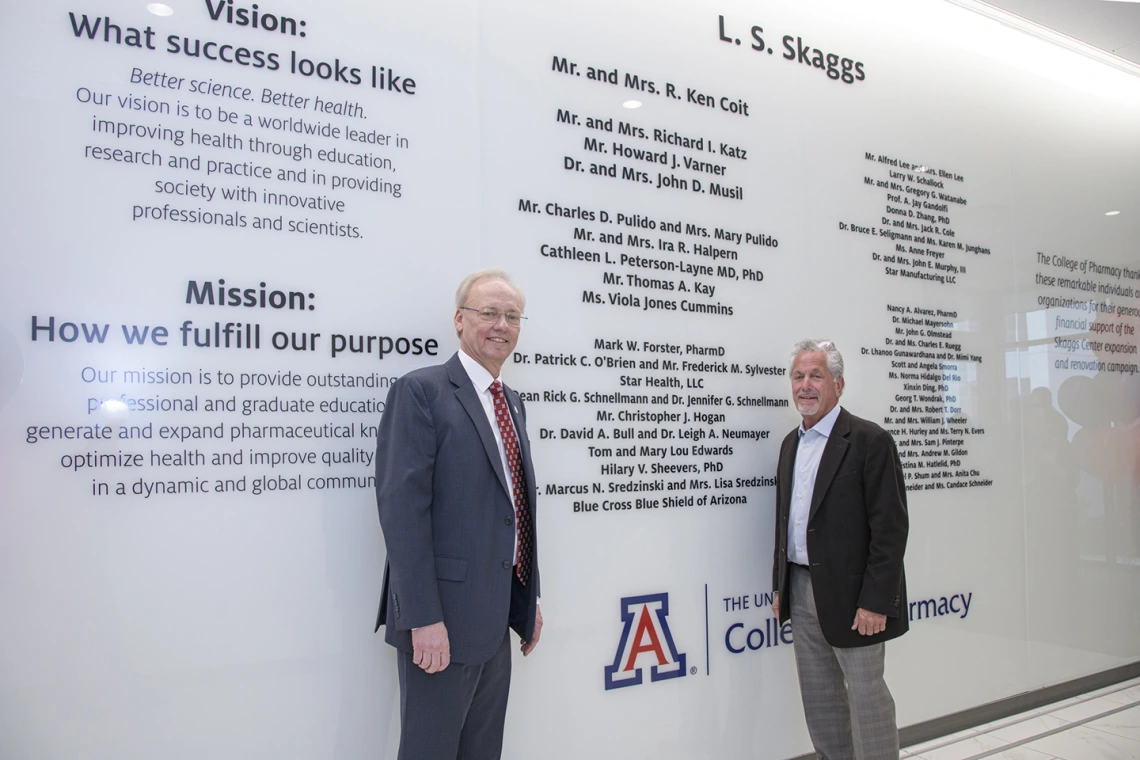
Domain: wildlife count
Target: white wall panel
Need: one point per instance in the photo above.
(239, 624)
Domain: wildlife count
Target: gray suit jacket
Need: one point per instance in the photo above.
(447, 516)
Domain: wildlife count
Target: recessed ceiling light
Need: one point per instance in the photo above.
(1111, 213)
(160, 9)
(631, 104)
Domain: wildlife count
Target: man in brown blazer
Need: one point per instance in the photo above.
(837, 571)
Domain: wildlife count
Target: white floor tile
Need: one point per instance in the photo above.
(1083, 731)
(1049, 709)
(1020, 753)
(1065, 702)
(1115, 688)
(1127, 696)
(1085, 710)
(1013, 719)
(1030, 727)
(972, 746)
(1078, 728)
(918, 749)
(1125, 723)
(1084, 743)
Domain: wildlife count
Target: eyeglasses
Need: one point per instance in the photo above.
(491, 316)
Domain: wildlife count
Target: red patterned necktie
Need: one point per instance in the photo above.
(518, 482)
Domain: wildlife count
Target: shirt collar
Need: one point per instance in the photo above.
(479, 375)
(824, 426)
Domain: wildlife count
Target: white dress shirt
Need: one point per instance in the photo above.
(808, 454)
(482, 381)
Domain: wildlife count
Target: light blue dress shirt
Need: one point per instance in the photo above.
(808, 454)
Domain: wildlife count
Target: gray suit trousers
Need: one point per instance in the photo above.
(457, 714)
(849, 710)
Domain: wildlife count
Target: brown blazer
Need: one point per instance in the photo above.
(856, 534)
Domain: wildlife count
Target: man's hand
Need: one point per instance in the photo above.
(528, 646)
(869, 623)
(431, 647)
(776, 604)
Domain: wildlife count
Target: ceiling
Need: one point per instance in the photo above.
(1109, 25)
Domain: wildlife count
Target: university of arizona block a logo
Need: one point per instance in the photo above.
(646, 642)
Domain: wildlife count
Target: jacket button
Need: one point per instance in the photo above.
(506, 564)
(508, 520)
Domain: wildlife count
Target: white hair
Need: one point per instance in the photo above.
(834, 358)
(491, 273)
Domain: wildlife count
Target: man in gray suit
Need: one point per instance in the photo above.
(841, 530)
(456, 493)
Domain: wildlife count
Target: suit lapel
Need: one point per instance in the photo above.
(469, 398)
(833, 454)
(786, 473)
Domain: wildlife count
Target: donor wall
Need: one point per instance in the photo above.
(228, 230)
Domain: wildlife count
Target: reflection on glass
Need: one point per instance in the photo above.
(1078, 410)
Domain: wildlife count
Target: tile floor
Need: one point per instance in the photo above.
(1100, 725)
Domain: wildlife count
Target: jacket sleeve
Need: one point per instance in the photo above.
(405, 463)
(884, 496)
